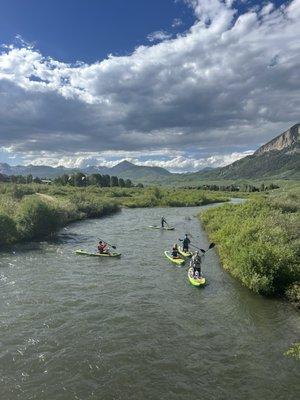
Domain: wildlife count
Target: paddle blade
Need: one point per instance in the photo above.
(203, 251)
(211, 245)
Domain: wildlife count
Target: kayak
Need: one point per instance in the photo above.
(86, 253)
(165, 228)
(178, 261)
(195, 281)
(184, 253)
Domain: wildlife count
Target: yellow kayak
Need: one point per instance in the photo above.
(195, 281)
(178, 261)
(184, 253)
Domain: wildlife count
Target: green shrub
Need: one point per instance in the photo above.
(36, 218)
(256, 244)
(8, 231)
(293, 351)
(19, 191)
(293, 293)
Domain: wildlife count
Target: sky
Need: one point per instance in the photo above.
(181, 84)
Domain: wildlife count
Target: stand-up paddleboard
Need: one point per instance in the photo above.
(195, 281)
(165, 228)
(86, 253)
(177, 261)
(184, 253)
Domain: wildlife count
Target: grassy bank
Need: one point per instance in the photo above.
(258, 242)
(26, 214)
(34, 211)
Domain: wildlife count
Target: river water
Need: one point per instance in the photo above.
(75, 327)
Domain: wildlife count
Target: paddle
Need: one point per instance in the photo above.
(114, 247)
(211, 246)
(167, 224)
(198, 248)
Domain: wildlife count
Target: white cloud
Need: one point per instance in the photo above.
(174, 161)
(158, 36)
(176, 22)
(185, 164)
(229, 81)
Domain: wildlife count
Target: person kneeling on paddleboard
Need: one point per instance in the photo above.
(195, 263)
(185, 243)
(102, 247)
(163, 222)
(175, 253)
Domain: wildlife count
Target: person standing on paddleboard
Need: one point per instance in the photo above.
(195, 263)
(102, 247)
(185, 243)
(163, 222)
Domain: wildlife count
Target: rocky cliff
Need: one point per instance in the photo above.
(288, 140)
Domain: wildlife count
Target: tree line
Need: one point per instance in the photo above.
(77, 179)
(237, 188)
(80, 180)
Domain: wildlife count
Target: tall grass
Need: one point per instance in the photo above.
(258, 242)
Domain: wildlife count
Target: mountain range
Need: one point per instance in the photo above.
(279, 158)
(124, 169)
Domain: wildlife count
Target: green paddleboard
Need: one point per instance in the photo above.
(86, 253)
(177, 261)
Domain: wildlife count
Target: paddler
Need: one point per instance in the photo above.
(174, 252)
(185, 243)
(103, 247)
(195, 263)
(163, 222)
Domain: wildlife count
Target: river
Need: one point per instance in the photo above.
(76, 327)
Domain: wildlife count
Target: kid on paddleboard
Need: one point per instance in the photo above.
(175, 251)
(102, 247)
(195, 263)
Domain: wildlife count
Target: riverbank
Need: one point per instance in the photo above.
(34, 211)
(258, 242)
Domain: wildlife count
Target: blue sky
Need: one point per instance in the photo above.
(182, 84)
(89, 30)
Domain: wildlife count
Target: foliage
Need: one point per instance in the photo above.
(36, 218)
(293, 351)
(258, 243)
(8, 231)
(293, 293)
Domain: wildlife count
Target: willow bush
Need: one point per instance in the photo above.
(36, 218)
(8, 230)
(258, 243)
